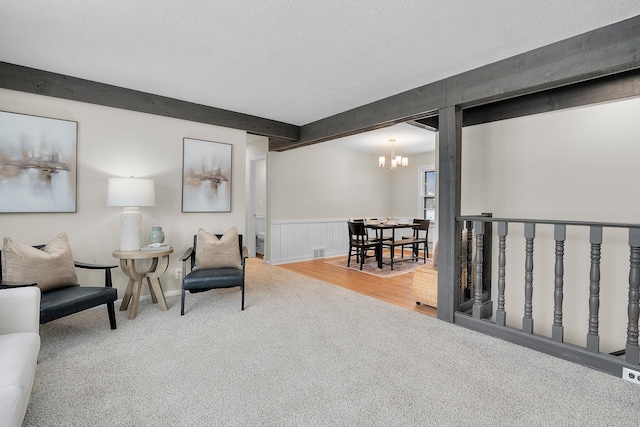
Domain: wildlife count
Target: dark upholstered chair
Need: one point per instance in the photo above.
(196, 279)
(61, 302)
(359, 240)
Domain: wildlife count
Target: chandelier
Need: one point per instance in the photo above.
(395, 160)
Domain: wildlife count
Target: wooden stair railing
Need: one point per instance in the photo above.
(476, 298)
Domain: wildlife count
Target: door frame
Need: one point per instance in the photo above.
(251, 232)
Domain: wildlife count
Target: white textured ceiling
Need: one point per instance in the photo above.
(287, 60)
(409, 140)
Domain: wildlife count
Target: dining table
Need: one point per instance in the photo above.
(380, 227)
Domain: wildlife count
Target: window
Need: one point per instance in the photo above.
(427, 194)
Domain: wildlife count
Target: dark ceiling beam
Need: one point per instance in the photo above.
(46, 83)
(608, 88)
(601, 52)
(398, 108)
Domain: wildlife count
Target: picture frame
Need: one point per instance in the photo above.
(206, 176)
(38, 164)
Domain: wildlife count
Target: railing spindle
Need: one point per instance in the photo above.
(501, 315)
(557, 330)
(462, 289)
(631, 349)
(593, 337)
(527, 320)
(469, 257)
(477, 296)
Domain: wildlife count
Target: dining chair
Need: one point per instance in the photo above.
(359, 240)
(421, 225)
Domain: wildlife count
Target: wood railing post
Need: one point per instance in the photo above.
(557, 330)
(631, 350)
(478, 287)
(469, 260)
(487, 244)
(501, 314)
(527, 320)
(593, 337)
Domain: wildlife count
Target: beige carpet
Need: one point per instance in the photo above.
(305, 353)
(371, 265)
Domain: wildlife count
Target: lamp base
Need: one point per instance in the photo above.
(130, 229)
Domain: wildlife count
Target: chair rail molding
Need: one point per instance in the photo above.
(296, 240)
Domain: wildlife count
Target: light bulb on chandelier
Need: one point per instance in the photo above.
(395, 160)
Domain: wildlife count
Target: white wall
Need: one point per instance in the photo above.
(405, 185)
(324, 182)
(114, 142)
(576, 164)
(261, 188)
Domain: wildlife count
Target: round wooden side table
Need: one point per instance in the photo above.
(159, 263)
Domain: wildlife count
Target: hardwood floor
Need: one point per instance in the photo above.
(394, 290)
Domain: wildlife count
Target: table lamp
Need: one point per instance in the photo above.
(130, 193)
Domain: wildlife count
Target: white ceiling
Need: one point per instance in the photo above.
(408, 140)
(291, 61)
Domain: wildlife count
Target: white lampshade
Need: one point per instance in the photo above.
(381, 161)
(130, 192)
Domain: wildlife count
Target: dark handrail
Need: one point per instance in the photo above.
(547, 221)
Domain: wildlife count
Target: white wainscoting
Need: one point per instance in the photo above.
(293, 241)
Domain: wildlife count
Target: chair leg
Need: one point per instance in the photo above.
(182, 304)
(112, 315)
(349, 257)
(243, 296)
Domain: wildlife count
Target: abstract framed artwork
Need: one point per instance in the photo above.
(38, 166)
(206, 176)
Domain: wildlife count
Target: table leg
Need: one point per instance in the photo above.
(393, 248)
(156, 288)
(154, 299)
(135, 299)
(132, 294)
(127, 296)
(153, 280)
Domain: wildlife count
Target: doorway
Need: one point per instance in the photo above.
(257, 235)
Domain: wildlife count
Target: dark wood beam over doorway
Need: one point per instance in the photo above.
(602, 52)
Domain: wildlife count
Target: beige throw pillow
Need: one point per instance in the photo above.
(50, 267)
(212, 252)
